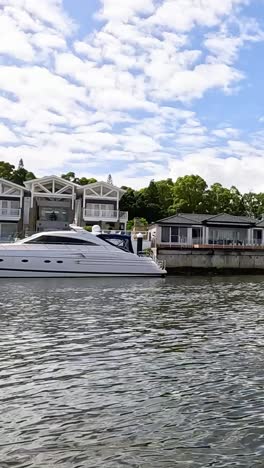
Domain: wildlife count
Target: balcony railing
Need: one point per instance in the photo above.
(11, 214)
(104, 215)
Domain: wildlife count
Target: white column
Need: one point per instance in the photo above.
(73, 197)
(32, 196)
(26, 211)
(21, 198)
(206, 234)
(250, 236)
(189, 236)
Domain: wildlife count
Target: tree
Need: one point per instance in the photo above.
(110, 180)
(85, 181)
(189, 194)
(18, 176)
(6, 170)
(149, 203)
(165, 191)
(220, 199)
(21, 164)
(128, 202)
(254, 204)
(71, 177)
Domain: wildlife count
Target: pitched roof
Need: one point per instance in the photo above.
(29, 183)
(192, 218)
(8, 182)
(227, 218)
(184, 218)
(104, 184)
(260, 223)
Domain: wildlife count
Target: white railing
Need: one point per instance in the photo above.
(10, 213)
(102, 215)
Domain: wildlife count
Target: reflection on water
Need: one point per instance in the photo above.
(132, 373)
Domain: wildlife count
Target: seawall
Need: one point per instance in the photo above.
(208, 260)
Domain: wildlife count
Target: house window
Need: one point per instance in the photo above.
(174, 234)
(257, 236)
(7, 205)
(197, 235)
(165, 234)
(8, 231)
(53, 214)
(228, 236)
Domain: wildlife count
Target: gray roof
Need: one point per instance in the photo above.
(260, 223)
(227, 218)
(184, 218)
(192, 218)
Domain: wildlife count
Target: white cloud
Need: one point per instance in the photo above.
(189, 84)
(6, 135)
(13, 41)
(226, 132)
(28, 26)
(48, 12)
(123, 92)
(238, 164)
(225, 46)
(118, 10)
(86, 49)
(182, 15)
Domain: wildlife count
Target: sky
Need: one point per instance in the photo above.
(141, 89)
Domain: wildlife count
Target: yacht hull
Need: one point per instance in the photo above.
(54, 264)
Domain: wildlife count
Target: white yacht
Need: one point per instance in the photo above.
(74, 253)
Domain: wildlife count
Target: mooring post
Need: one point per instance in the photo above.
(139, 243)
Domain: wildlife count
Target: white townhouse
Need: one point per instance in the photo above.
(53, 203)
(11, 209)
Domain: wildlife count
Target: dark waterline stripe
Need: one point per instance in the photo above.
(81, 273)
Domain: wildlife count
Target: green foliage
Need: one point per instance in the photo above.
(130, 225)
(85, 181)
(88, 228)
(18, 176)
(189, 194)
(6, 170)
(71, 177)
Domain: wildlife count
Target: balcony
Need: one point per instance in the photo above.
(105, 215)
(10, 214)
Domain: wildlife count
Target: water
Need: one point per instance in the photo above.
(131, 373)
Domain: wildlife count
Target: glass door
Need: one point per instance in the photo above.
(197, 235)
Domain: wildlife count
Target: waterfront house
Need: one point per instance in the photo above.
(185, 229)
(53, 203)
(11, 209)
(100, 205)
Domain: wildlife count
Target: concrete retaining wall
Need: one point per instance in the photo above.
(212, 260)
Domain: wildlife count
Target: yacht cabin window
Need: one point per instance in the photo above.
(59, 240)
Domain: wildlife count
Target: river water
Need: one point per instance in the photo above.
(132, 373)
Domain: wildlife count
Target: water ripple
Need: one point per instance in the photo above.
(132, 373)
